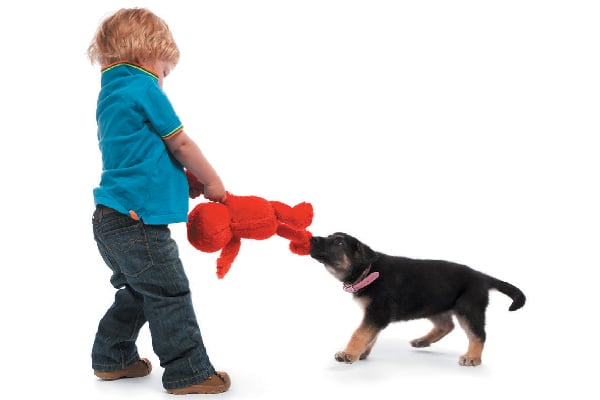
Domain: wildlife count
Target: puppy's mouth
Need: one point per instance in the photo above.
(316, 252)
(324, 258)
(335, 263)
(337, 268)
(319, 250)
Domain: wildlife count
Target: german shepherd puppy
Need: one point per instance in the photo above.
(393, 289)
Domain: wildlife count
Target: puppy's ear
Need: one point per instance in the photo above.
(365, 253)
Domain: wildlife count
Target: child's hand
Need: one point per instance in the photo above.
(215, 192)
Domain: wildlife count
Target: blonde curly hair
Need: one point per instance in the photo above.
(134, 35)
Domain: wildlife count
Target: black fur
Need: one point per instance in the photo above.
(408, 289)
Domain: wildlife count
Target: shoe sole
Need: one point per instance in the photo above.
(208, 389)
(120, 374)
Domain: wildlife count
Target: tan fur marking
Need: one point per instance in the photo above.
(473, 355)
(339, 269)
(366, 353)
(360, 344)
(475, 348)
(346, 262)
(442, 325)
(363, 302)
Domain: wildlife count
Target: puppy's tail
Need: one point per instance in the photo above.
(517, 296)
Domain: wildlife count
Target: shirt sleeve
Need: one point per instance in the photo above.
(160, 112)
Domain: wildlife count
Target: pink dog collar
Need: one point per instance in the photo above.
(364, 280)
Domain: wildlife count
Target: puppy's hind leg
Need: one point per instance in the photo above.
(472, 357)
(471, 318)
(442, 325)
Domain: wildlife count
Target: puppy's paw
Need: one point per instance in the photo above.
(344, 357)
(466, 361)
(421, 342)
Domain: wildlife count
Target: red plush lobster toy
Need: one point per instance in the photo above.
(221, 226)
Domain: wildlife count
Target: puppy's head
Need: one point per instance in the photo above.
(344, 256)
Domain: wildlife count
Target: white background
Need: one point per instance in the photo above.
(462, 130)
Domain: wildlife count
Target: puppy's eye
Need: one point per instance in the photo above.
(338, 242)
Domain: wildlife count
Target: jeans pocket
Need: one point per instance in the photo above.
(127, 244)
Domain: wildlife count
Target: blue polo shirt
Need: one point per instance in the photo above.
(139, 175)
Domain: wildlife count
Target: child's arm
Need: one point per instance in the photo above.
(187, 152)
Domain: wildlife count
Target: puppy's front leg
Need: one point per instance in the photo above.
(359, 345)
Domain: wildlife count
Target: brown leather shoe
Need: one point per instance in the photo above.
(219, 382)
(135, 370)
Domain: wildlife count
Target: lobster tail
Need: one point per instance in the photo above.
(292, 224)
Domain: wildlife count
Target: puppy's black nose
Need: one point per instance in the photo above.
(314, 240)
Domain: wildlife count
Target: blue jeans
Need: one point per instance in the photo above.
(151, 286)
